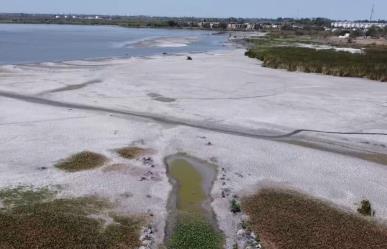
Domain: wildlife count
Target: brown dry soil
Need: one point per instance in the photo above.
(285, 219)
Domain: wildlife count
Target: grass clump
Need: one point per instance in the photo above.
(131, 152)
(195, 233)
(85, 160)
(371, 64)
(289, 220)
(47, 223)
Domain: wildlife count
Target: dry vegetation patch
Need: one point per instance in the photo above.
(82, 161)
(290, 220)
(63, 223)
(132, 152)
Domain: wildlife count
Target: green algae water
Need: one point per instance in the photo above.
(191, 224)
(190, 193)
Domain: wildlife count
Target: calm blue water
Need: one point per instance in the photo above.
(30, 43)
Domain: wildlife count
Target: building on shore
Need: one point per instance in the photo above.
(357, 25)
(209, 25)
(240, 26)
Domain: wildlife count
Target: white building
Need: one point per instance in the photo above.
(240, 26)
(357, 25)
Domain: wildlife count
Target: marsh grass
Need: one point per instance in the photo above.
(24, 195)
(282, 52)
(131, 152)
(46, 223)
(194, 232)
(285, 219)
(372, 64)
(85, 160)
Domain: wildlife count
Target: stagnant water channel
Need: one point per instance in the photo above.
(189, 204)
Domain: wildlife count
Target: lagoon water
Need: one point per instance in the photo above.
(30, 43)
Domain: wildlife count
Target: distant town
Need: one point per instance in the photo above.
(225, 24)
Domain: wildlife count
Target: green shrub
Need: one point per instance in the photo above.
(235, 207)
(365, 208)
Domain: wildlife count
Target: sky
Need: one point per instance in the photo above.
(335, 9)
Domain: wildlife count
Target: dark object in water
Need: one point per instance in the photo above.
(189, 58)
(165, 53)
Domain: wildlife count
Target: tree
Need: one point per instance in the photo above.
(372, 32)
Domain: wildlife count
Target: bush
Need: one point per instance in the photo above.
(82, 161)
(365, 208)
(131, 152)
(235, 207)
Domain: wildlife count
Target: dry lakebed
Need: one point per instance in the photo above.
(147, 149)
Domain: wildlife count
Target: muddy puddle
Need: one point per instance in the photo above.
(192, 181)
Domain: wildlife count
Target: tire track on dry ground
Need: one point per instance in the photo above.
(233, 130)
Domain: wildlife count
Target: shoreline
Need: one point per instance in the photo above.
(122, 45)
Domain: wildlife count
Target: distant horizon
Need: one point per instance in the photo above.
(330, 9)
(196, 17)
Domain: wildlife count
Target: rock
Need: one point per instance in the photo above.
(148, 173)
(239, 174)
(241, 232)
(142, 237)
(126, 195)
(146, 242)
(147, 160)
(189, 58)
